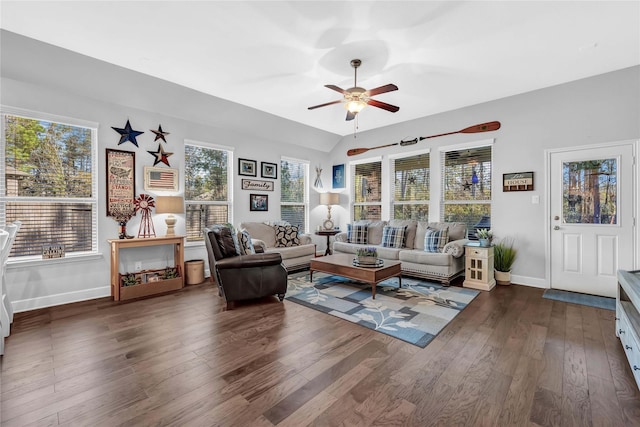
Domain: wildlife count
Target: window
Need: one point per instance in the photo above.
(467, 187)
(294, 200)
(366, 190)
(207, 187)
(49, 183)
(411, 187)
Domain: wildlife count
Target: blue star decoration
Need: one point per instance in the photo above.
(127, 134)
(160, 134)
(161, 156)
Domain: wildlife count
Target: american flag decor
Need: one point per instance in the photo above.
(160, 179)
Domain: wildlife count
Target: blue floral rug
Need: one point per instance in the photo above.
(415, 314)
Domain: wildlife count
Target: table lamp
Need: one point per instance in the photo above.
(329, 199)
(170, 205)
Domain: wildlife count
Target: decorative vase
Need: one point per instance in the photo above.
(485, 243)
(502, 277)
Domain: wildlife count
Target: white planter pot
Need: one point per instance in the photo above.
(502, 277)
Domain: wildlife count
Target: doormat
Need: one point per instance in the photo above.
(415, 314)
(582, 299)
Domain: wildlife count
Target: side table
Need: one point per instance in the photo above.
(479, 267)
(327, 233)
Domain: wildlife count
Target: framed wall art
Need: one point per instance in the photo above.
(258, 202)
(269, 170)
(518, 181)
(338, 176)
(121, 180)
(257, 185)
(160, 179)
(247, 167)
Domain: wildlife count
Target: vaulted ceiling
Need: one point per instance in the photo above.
(277, 56)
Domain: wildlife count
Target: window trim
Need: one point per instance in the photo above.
(230, 181)
(305, 203)
(6, 110)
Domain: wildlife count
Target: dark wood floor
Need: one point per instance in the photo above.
(510, 358)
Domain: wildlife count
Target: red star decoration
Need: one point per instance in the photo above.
(160, 134)
(161, 156)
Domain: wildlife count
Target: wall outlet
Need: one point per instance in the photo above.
(138, 266)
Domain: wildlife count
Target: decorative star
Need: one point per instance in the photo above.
(369, 190)
(466, 185)
(160, 134)
(161, 156)
(127, 134)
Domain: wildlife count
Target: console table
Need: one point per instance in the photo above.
(143, 289)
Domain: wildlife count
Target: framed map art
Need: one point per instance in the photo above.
(121, 180)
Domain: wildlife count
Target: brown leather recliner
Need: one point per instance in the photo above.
(242, 277)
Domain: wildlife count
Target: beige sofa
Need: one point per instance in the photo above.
(263, 235)
(442, 266)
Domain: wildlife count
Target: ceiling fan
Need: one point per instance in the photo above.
(356, 98)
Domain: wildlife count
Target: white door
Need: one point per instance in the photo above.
(592, 219)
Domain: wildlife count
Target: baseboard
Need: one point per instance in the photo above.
(534, 282)
(59, 299)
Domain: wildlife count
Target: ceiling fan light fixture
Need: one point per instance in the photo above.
(355, 106)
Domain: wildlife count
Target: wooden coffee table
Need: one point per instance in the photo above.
(342, 265)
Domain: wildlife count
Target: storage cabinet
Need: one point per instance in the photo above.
(479, 267)
(628, 318)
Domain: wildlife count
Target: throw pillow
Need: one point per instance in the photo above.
(225, 240)
(393, 237)
(434, 240)
(286, 235)
(246, 243)
(357, 234)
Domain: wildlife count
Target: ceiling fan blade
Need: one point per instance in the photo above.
(382, 89)
(336, 88)
(350, 115)
(383, 105)
(325, 104)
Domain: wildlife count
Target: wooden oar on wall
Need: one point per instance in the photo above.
(483, 127)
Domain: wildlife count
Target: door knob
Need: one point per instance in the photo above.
(556, 217)
(556, 227)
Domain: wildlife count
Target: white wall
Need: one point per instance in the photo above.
(27, 83)
(600, 109)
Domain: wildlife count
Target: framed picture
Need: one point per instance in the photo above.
(257, 185)
(338, 176)
(258, 202)
(269, 170)
(121, 181)
(518, 181)
(247, 167)
(160, 179)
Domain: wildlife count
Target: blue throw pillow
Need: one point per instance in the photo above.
(435, 240)
(393, 237)
(357, 234)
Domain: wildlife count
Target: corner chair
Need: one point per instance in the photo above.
(243, 277)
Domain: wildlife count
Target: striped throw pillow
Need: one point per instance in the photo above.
(435, 240)
(393, 237)
(357, 234)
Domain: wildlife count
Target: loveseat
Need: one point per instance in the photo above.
(443, 262)
(295, 248)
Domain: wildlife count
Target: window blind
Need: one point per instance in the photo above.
(466, 180)
(366, 190)
(411, 187)
(294, 205)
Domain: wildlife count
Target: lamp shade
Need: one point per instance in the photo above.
(329, 198)
(169, 204)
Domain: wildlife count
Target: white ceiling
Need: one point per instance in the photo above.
(277, 56)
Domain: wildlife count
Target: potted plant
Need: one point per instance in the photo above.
(367, 255)
(504, 255)
(130, 279)
(485, 236)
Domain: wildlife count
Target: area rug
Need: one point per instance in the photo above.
(415, 313)
(582, 299)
